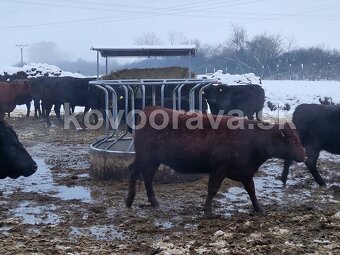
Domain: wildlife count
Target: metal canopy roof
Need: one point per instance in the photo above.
(147, 51)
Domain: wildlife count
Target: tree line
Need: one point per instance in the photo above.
(269, 56)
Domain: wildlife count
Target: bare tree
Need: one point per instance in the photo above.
(238, 40)
(176, 38)
(148, 38)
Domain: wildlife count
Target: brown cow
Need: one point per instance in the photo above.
(13, 93)
(235, 153)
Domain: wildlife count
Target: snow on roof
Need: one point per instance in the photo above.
(146, 50)
(232, 79)
(38, 70)
(126, 47)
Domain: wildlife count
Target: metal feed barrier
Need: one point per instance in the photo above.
(111, 155)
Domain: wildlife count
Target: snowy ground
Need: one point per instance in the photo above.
(283, 95)
(292, 92)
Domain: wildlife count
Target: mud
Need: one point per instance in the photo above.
(62, 210)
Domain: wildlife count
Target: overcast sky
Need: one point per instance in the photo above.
(71, 27)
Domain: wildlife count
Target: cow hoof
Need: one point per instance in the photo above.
(282, 179)
(259, 212)
(129, 201)
(322, 183)
(154, 202)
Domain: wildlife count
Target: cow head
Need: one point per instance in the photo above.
(14, 159)
(287, 144)
(211, 94)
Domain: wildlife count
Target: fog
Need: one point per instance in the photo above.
(47, 52)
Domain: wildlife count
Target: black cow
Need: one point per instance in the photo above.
(319, 129)
(14, 159)
(59, 90)
(220, 151)
(247, 98)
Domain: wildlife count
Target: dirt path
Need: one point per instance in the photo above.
(61, 210)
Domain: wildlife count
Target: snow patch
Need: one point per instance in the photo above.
(232, 79)
(38, 70)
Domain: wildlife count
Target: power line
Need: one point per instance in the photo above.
(166, 11)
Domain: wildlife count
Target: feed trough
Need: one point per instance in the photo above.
(111, 155)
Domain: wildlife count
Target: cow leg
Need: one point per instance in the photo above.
(135, 174)
(57, 111)
(284, 175)
(47, 111)
(37, 111)
(148, 178)
(250, 188)
(8, 114)
(312, 158)
(28, 105)
(214, 184)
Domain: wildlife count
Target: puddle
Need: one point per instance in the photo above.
(269, 189)
(103, 233)
(42, 182)
(191, 226)
(32, 213)
(78, 192)
(163, 224)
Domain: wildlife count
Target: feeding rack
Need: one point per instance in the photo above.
(111, 155)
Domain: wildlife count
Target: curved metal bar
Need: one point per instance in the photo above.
(174, 92)
(192, 97)
(114, 111)
(143, 96)
(162, 94)
(132, 109)
(179, 94)
(106, 109)
(200, 95)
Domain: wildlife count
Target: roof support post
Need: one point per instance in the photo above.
(105, 65)
(189, 64)
(97, 65)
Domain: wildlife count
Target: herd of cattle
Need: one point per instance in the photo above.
(222, 152)
(47, 92)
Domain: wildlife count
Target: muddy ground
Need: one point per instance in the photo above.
(62, 210)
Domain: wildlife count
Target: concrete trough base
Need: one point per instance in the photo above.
(113, 164)
(110, 166)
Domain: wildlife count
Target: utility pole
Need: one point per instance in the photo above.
(22, 46)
